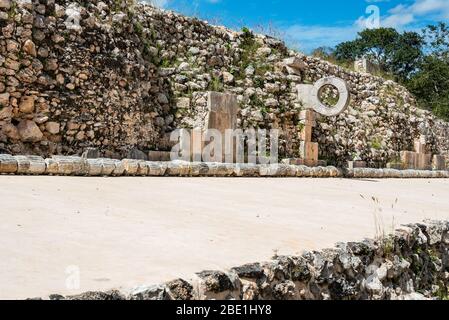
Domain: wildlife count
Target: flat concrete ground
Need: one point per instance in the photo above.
(124, 232)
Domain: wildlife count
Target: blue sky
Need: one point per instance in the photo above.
(308, 24)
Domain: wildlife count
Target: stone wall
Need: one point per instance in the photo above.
(411, 264)
(127, 75)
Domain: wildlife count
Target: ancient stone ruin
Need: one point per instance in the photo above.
(120, 77)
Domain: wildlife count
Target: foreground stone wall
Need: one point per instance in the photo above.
(411, 264)
(79, 166)
(126, 75)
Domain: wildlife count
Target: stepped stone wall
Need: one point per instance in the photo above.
(120, 76)
(412, 264)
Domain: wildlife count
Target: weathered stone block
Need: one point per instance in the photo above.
(51, 166)
(424, 161)
(130, 166)
(220, 169)
(91, 153)
(394, 165)
(306, 133)
(30, 165)
(223, 109)
(8, 164)
(246, 170)
(142, 168)
(307, 115)
(408, 159)
(159, 156)
(178, 168)
(356, 164)
(439, 162)
(197, 169)
(309, 151)
(29, 131)
(94, 167)
(157, 168)
(293, 161)
(119, 169)
(108, 167)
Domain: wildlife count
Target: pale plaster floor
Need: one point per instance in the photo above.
(124, 232)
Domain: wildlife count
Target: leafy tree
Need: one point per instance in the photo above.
(324, 53)
(395, 53)
(437, 39)
(431, 86)
(406, 55)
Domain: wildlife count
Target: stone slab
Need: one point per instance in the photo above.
(308, 151)
(439, 162)
(222, 111)
(159, 156)
(8, 164)
(356, 164)
(33, 165)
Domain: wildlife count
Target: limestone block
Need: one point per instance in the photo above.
(142, 168)
(394, 165)
(334, 172)
(159, 156)
(356, 164)
(130, 166)
(303, 171)
(309, 151)
(290, 171)
(119, 169)
(30, 165)
(8, 164)
(307, 115)
(64, 165)
(246, 170)
(305, 95)
(157, 168)
(94, 167)
(293, 161)
(27, 104)
(198, 169)
(409, 159)
(51, 166)
(108, 167)
(91, 153)
(306, 133)
(266, 170)
(222, 111)
(178, 168)
(294, 65)
(317, 172)
(439, 162)
(424, 161)
(420, 147)
(220, 169)
(29, 131)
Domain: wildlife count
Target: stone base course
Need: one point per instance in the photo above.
(78, 166)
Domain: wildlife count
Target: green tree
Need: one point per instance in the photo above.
(431, 86)
(437, 39)
(395, 53)
(431, 83)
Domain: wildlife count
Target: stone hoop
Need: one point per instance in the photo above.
(343, 101)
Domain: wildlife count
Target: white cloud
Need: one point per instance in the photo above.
(308, 38)
(404, 15)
